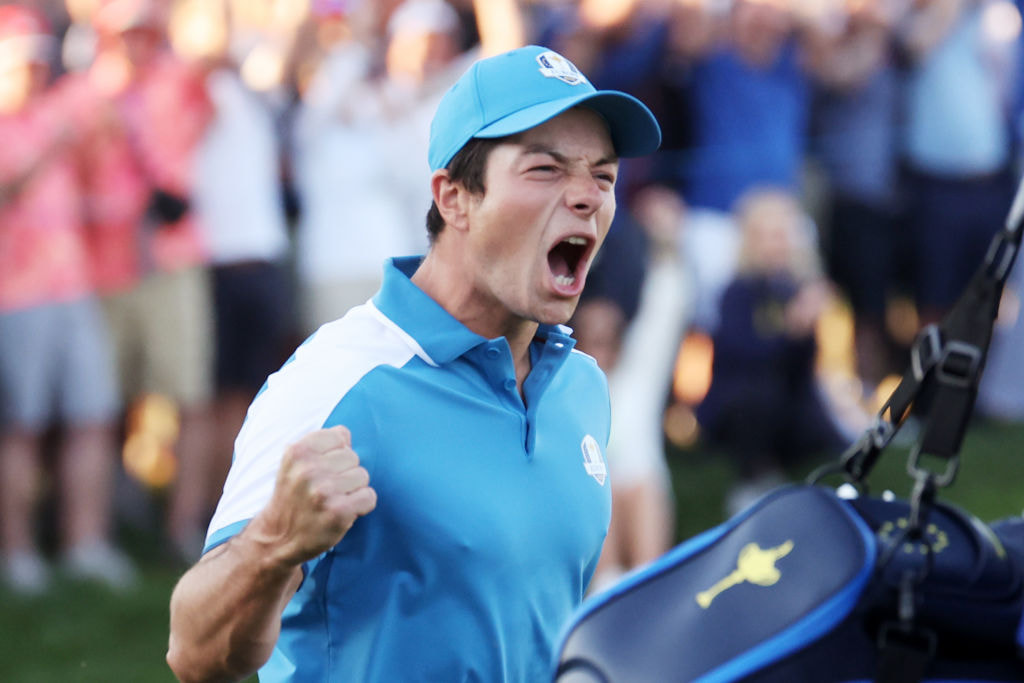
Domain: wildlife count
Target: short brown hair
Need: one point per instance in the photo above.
(468, 166)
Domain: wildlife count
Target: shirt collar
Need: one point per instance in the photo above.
(441, 336)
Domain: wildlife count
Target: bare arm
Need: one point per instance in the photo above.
(848, 59)
(928, 24)
(500, 25)
(226, 610)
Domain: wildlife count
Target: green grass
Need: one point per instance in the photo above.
(85, 633)
(990, 482)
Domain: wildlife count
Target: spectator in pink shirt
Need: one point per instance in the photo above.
(151, 263)
(55, 367)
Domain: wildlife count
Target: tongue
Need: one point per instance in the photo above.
(558, 263)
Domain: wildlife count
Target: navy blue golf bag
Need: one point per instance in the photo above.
(807, 586)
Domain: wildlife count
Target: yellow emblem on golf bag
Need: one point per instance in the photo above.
(755, 564)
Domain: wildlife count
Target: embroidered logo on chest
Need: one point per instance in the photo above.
(593, 462)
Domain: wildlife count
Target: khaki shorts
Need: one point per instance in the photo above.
(162, 331)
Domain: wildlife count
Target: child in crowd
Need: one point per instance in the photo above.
(764, 408)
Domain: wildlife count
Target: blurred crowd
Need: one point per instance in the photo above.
(188, 188)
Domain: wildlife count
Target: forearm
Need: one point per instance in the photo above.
(226, 610)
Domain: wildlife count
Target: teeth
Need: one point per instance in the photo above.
(565, 280)
(578, 241)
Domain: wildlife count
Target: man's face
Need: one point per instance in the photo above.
(547, 208)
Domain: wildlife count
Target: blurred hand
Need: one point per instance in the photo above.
(661, 212)
(805, 308)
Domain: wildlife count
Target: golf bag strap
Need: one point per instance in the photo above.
(941, 383)
(900, 662)
(904, 653)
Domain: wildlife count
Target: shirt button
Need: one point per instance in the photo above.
(510, 384)
(492, 352)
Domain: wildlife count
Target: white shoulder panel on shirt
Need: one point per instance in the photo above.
(299, 398)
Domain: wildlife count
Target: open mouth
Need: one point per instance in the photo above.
(565, 258)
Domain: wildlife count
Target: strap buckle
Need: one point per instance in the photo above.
(959, 364)
(926, 351)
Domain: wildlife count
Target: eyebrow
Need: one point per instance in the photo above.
(537, 148)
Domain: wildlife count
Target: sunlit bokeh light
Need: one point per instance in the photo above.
(681, 426)
(901, 320)
(692, 377)
(15, 83)
(198, 29)
(834, 334)
(148, 452)
(149, 461)
(263, 68)
(883, 391)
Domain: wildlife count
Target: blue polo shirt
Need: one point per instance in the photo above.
(491, 511)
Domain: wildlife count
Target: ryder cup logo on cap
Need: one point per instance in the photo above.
(520, 89)
(554, 65)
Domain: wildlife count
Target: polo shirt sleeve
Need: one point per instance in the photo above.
(298, 399)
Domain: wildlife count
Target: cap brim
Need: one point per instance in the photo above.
(633, 128)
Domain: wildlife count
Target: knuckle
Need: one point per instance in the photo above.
(316, 497)
(348, 457)
(298, 452)
(300, 471)
(370, 503)
(320, 494)
(360, 476)
(353, 458)
(341, 433)
(340, 512)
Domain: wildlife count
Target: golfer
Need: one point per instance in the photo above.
(420, 493)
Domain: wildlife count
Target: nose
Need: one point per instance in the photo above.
(583, 195)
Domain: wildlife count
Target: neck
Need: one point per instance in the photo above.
(441, 280)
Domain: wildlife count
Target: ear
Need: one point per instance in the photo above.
(452, 199)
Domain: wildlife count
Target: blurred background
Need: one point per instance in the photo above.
(189, 188)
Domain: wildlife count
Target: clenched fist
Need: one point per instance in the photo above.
(321, 489)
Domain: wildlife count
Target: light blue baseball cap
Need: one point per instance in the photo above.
(517, 90)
